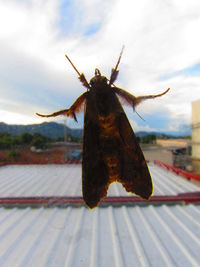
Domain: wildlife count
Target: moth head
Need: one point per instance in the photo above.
(98, 79)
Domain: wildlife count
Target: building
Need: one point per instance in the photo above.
(196, 135)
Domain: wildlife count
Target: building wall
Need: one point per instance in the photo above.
(196, 135)
(175, 143)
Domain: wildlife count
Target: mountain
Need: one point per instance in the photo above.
(48, 129)
(165, 135)
(56, 130)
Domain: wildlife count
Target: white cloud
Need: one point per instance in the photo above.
(18, 118)
(140, 128)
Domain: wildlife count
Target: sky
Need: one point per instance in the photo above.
(162, 50)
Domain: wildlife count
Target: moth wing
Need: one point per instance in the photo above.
(130, 169)
(134, 172)
(94, 170)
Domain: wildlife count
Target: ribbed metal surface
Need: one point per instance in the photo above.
(165, 235)
(110, 236)
(65, 180)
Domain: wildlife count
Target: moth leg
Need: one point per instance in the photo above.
(84, 81)
(133, 100)
(54, 114)
(139, 99)
(71, 112)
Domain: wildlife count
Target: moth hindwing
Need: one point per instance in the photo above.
(111, 152)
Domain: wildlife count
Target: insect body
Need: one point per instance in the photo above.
(110, 148)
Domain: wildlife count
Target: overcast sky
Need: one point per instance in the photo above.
(162, 49)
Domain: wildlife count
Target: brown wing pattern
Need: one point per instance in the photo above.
(111, 153)
(94, 170)
(129, 165)
(135, 176)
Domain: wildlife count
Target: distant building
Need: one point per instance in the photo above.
(173, 143)
(196, 135)
(178, 150)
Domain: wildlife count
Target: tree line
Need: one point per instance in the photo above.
(8, 141)
(147, 139)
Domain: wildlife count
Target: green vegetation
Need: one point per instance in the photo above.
(13, 154)
(39, 141)
(48, 129)
(166, 136)
(8, 141)
(151, 138)
(147, 139)
(70, 138)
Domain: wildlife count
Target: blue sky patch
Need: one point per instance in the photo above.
(92, 29)
(67, 16)
(71, 20)
(190, 71)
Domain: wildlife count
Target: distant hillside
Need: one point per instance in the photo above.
(49, 129)
(159, 135)
(56, 130)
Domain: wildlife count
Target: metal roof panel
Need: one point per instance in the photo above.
(65, 180)
(110, 236)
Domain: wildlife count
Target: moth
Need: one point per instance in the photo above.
(111, 152)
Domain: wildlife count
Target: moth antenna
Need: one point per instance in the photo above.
(81, 76)
(139, 115)
(115, 69)
(72, 64)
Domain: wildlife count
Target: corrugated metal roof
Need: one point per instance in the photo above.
(65, 180)
(161, 235)
(110, 236)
